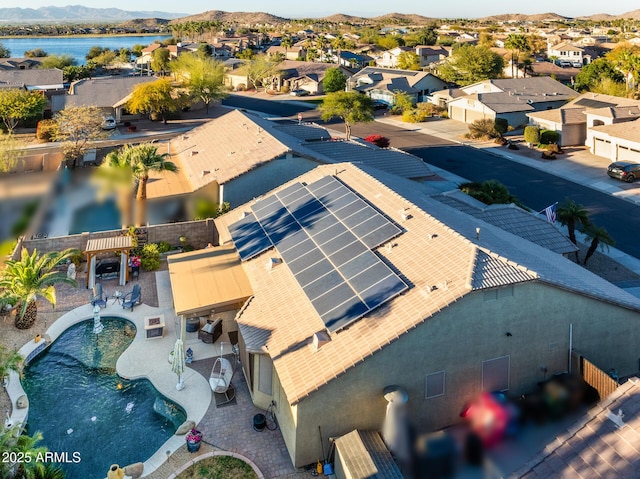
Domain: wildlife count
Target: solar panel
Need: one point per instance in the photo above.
(324, 232)
(249, 237)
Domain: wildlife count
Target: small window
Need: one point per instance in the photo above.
(434, 385)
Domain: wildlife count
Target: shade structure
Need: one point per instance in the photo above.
(178, 364)
(208, 279)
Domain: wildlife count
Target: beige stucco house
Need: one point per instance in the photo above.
(575, 120)
(483, 309)
(510, 98)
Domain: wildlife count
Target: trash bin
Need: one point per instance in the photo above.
(193, 324)
(259, 422)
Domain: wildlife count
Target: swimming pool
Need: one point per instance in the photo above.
(96, 217)
(81, 405)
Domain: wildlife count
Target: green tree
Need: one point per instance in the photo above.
(18, 105)
(571, 215)
(95, 51)
(156, 98)
(599, 237)
(72, 73)
(4, 52)
(351, 107)
(408, 61)
(490, 192)
(12, 441)
(57, 61)
(388, 43)
(34, 276)
(260, 70)
(470, 64)
(10, 153)
(516, 43)
(532, 134)
(144, 158)
(203, 77)
(77, 127)
(286, 43)
(591, 74)
(115, 177)
(204, 49)
(626, 58)
(402, 102)
(334, 80)
(10, 360)
(606, 86)
(338, 44)
(35, 53)
(160, 60)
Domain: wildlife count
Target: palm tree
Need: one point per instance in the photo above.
(338, 44)
(23, 446)
(144, 158)
(114, 176)
(31, 277)
(572, 214)
(9, 360)
(516, 43)
(599, 237)
(286, 43)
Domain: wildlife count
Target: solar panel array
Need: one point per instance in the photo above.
(325, 232)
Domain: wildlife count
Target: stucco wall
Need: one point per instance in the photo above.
(457, 341)
(265, 178)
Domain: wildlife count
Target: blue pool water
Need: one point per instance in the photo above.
(82, 406)
(96, 217)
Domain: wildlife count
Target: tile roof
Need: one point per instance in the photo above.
(512, 219)
(628, 130)
(391, 160)
(617, 112)
(595, 446)
(563, 115)
(100, 92)
(280, 319)
(366, 457)
(33, 77)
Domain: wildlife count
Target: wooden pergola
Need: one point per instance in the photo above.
(120, 243)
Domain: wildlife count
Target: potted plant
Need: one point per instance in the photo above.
(194, 438)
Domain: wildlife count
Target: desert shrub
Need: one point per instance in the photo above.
(501, 125)
(45, 130)
(484, 128)
(163, 247)
(241, 87)
(532, 134)
(150, 257)
(548, 155)
(415, 115)
(501, 141)
(549, 136)
(378, 140)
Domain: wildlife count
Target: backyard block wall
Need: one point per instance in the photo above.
(198, 233)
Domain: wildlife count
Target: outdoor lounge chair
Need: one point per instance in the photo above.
(132, 298)
(97, 296)
(220, 379)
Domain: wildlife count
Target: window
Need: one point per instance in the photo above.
(434, 385)
(265, 373)
(495, 374)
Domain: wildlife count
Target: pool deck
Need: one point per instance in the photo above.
(144, 358)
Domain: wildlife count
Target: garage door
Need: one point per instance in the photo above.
(457, 113)
(473, 115)
(602, 148)
(628, 154)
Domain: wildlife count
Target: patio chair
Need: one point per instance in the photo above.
(220, 379)
(132, 298)
(97, 296)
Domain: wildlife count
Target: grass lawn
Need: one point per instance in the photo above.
(219, 467)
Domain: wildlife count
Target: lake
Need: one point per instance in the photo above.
(76, 46)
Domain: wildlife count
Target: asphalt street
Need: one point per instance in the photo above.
(531, 186)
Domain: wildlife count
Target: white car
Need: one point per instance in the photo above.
(109, 123)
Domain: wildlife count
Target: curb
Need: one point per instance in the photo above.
(207, 455)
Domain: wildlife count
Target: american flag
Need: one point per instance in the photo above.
(550, 211)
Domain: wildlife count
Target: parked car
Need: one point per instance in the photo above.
(109, 123)
(379, 105)
(624, 170)
(299, 92)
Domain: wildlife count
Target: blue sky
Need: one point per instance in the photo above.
(288, 8)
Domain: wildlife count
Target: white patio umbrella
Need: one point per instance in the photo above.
(178, 364)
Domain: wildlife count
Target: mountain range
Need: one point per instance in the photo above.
(79, 13)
